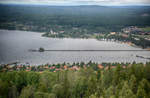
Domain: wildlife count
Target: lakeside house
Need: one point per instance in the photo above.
(52, 32)
(112, 33)
(125, 35)
(100, 66)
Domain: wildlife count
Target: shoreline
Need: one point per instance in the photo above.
(71, 63)
(65, 66)
(148, 49)
(128, 43)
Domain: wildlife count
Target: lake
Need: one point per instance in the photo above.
(14, 46)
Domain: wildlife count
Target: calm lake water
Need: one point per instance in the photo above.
(14, 46)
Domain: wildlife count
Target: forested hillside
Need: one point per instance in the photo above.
(122, 81)
(92, 18)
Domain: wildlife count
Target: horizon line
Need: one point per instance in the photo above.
(74, 4)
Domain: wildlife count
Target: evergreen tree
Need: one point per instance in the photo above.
(27, 92)
(141, 93)
(126, 92)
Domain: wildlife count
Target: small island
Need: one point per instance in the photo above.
(41, 49)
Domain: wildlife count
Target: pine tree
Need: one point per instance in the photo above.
(133, 84)
(141, 93)
(27, 92)
(126, 92)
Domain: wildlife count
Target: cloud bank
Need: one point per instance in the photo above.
(78, 2)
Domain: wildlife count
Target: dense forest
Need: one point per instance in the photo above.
(87, 19)
(117, 80)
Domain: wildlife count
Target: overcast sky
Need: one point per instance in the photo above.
(78, 2)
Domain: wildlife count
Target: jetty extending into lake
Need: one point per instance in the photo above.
(32, 50)
(43, 50)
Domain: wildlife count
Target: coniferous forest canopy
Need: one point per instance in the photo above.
(110, 81)
(93, 18)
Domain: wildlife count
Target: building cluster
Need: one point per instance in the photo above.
(100, 66)
(134, 29)
(53, 68)
(131, 29)
(55, 33)
(40, 68)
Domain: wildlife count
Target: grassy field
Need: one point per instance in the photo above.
(146, 29)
